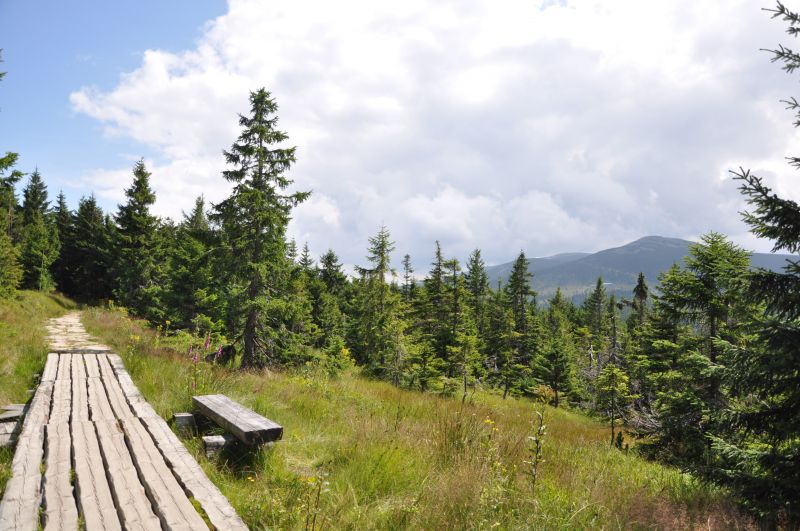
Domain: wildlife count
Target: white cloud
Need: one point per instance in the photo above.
(548, 126)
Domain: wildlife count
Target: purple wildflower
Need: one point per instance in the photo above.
(208, 341)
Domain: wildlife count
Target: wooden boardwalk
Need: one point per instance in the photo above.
(93, 452)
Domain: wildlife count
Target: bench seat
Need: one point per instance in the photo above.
(245, 424)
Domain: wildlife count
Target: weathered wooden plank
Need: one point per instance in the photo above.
(247, 425)
(99, 406)
(62, 401)
(185, 467)
(19, 508)
(80, 392)
(188, 471)
(133, 505)
(78, 368)
(170, 502)
(137, 402)
(91, 485)
(92, 369)
(50, 368)
(115, 395)
(59, 501)
(64, 366)
(11, 416)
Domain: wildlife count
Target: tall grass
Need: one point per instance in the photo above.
(23, 350)
(362, 454)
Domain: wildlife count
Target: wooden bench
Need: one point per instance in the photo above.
(243, 423)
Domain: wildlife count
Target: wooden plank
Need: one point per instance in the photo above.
(80, 392)
(19, 508)
(185, 467)
(133, 505)
(99, 406)
(116, 397)
(91, 485)
(170, 502)
(60, 509)
(64, 367)
(188, 471)
(78, 368)
(137, 402)
(92, 370)
(50, 368)
(62, 401)
(247, 425)
(11, 416)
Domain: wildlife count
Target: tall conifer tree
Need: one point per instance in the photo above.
(254, 220)
(137, 250)
(762, 453)
(39, 237)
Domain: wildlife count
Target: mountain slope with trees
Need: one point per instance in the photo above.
(576, 273)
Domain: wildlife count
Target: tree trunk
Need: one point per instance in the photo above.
(250, 356)
(464, 398)
(613, 407)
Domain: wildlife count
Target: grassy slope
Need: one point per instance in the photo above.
(375, 456)
(23, 349)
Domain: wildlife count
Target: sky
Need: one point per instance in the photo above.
(540, 125)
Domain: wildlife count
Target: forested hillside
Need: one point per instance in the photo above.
(702, 373)
(619, 267)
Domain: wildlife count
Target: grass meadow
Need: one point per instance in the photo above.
(23, 350)
(362, 454)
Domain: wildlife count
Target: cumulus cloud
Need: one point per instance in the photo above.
(536, 125)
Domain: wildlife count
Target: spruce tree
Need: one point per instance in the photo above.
(331, 273)
(477, 283)
(500, 342)
(518, 296)
(254, 220)
(137, 251)
(435, 306)
(613, 395)
(762, 450)
(39, 243)
(594, 312)
(378, 327)
(409, 284)
(193, 298)
(306, 262)
(556, 367)
(63, 219)
(34, 199)
(90, 253)
(10, 269)
(704, 300)
(640, 294)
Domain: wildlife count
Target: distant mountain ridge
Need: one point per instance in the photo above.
(577, 273)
